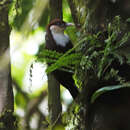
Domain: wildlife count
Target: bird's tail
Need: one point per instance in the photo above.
(73, 91)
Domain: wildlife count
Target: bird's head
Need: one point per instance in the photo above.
(58, 26)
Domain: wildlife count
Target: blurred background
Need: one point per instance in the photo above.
(28, 20)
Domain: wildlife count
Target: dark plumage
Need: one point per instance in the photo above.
(58, 41)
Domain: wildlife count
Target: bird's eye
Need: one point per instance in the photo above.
(60, 24)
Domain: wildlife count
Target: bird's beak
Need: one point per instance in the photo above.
(69, 24)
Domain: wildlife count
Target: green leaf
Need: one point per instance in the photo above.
(105, 89)
(65, 61)
(22, 9)
(20, 100)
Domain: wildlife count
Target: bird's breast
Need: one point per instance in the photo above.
(60, 39)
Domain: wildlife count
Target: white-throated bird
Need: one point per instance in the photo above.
(60, 42)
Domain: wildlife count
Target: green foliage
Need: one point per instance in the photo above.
(65, 61)
(66, 11)
(99, 54)
(20, 100)
(93, 57)
(74, 116)
(21, 9)
(57, 60)
(71, 31)
(48, 56)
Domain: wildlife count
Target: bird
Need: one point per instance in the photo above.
(56, 40)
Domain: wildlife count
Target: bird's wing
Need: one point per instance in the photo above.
(49, 42)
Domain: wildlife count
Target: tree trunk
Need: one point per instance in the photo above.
(55, 9)
(54, 103)
(6, 92)
(110, 109)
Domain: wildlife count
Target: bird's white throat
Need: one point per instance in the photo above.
(59, 37)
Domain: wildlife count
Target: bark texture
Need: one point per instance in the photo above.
(54, 102)
(55, 9)
(6, 92)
